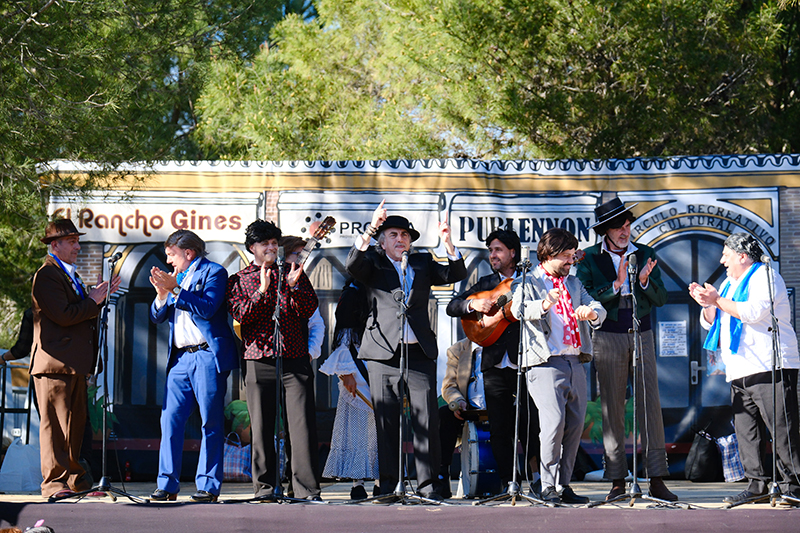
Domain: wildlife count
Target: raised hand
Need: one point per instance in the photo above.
(294, 275)
(644, 273)
(622, 273)
(584, 312)
(551, 298)
(445, 236)
(163, 282)
(379, 215)
(264, 278)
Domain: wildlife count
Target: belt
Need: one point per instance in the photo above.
(194, 348)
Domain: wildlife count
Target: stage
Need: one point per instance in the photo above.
(702, 510)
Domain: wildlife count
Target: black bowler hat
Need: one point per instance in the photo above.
(607, 212)
(62, 227)
(396, 221)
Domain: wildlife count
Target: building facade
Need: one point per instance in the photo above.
(687, 206)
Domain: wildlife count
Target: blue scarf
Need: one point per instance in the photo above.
(182, 275)
(740, 295)
(77, 282)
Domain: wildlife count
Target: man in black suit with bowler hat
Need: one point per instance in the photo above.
(381, 271)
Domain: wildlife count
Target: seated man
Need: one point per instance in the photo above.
(462, 389)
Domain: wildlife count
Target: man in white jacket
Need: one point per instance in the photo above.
(556, 311)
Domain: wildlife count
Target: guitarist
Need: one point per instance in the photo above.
(499, 360)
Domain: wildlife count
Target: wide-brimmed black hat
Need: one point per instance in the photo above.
(396, 221)
(63, 227)
(607, 212)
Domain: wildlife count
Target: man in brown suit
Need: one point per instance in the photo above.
(64, 350)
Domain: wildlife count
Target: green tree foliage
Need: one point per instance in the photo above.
(508, 79)
(107, 82)
(332, 88)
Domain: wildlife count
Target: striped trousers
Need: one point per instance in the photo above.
(613, 359)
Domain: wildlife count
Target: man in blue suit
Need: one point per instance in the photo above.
(201, 355)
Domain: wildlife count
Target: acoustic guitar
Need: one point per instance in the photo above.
(486, 328)
(321, 232)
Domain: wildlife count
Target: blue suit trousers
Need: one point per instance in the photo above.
(193, 383)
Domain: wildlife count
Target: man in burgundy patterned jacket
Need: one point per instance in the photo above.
(252, 294)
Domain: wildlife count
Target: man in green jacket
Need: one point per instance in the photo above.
(604, 273)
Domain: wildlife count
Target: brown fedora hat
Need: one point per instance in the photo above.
(63, 227)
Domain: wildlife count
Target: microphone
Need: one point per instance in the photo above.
(632, 264)
(281, 255)
(404, 262)
(114, 258)
(765, 258)
(524, 262)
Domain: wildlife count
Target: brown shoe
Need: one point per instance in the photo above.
(660, 491)
(617, 489)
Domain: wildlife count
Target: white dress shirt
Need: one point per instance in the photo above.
(755, 344)
(185, 332)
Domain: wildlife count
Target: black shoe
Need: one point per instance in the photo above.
(742, 497)
(617, 491)
(431, 495)
(358, 493)
(660, 491)
(376, 490)
(536, 488)
(202, 496)
(444, 489)
(160, 495)
(313, 498)
(568, 496)
(550, 495)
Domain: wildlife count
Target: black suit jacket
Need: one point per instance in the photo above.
(382, 334)
(508, 341)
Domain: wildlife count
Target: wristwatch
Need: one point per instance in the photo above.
(176, 290)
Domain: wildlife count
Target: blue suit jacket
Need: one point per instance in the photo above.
(205, 300)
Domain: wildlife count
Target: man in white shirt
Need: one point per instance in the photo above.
(202, 353)
(739, 322)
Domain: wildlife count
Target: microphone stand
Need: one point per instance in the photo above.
(774, 491)
(634, 491)
(277, 489)
(401, 493)
(513, 492)
(277, 494)
(104, 485)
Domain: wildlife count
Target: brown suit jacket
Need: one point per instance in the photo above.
(459, 369)
(64, 325)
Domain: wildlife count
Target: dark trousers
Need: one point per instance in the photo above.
(450, 429)
(500, 389)
(752, 416)
(298, 403)
(384, 380)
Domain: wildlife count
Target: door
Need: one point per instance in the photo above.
(692, 392)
